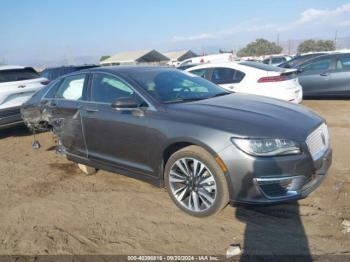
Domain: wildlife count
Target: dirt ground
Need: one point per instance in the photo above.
(48, 206)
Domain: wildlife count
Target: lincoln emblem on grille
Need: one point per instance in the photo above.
(323, 138)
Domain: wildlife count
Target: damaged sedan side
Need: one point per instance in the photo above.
(50, 110)
(174, 129)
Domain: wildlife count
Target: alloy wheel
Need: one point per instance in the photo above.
(192, 184)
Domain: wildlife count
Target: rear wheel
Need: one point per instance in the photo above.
(195, 182)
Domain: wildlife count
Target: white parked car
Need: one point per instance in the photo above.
(17, 85)
(174, 62)
(214, 58)
(253, 78)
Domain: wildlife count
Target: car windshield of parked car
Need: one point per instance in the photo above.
(53, 73)
(173, 86)
(299, 60)
(13, 75)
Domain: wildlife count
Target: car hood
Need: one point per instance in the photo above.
(250, 116)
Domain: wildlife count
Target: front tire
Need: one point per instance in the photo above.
(195, 182)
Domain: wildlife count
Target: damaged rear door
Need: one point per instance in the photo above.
(65, 113)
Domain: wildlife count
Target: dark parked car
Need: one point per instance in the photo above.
(326, 76)
(294, 62)
(174, 129)
(52, 73)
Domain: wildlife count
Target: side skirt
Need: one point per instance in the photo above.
(156, 181)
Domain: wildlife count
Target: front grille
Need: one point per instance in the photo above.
(318, 141)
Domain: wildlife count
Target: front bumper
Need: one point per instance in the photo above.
(272, 180)
(10, 117)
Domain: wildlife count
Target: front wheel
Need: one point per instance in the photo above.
(195, 182)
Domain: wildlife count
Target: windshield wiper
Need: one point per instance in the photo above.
(222, 94)
(181, 100)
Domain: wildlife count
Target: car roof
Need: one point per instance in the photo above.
(125, 69)
(233, 65)
(116, 70)
(10, 67)
(190, 64)
(68, 66)
(275, 56)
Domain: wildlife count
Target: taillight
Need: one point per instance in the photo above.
(46, 82)
(272, 79)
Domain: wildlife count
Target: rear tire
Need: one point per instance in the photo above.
(195, 182)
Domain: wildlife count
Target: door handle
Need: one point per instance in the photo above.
(21, 86)
(324, 74)
(91, 110)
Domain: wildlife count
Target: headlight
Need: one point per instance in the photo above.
(267, 147)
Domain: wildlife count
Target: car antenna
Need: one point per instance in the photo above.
(36, 143)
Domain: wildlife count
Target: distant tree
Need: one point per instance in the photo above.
(316, 46)
(104, 57)
(260, 47)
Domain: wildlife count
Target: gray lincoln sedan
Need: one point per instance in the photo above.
(177, 130)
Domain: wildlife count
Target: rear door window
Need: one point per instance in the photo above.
(201, 72)
(71, 87)
(278, 60)
(53, 86)
(343, 62)
(238, 76)
(226, 76)
(319, 64)
(14, 75)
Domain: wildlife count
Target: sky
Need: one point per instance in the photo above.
(49, 31)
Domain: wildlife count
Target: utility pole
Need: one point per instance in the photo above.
(3, 61)
(335, 39)
(289, 47)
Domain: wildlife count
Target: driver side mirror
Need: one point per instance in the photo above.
(125, 103)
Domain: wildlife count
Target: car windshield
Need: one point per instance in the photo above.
(13, 75)
(299, 60)
(174, 86)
